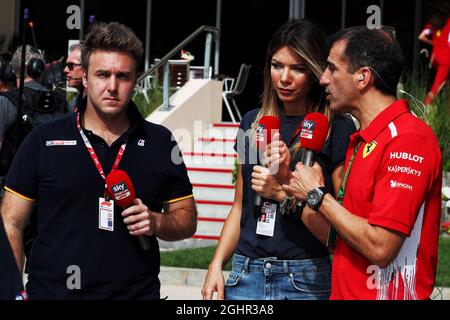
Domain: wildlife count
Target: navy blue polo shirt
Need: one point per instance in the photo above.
(66, 186)
(292, 240)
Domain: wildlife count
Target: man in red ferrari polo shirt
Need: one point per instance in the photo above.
(388, 222)
(437, 34)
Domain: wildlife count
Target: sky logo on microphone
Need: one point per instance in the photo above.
(307, 129)
(120, 191)
(119, 187)
(260, 133)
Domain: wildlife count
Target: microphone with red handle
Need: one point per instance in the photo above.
(268, 126)
(312, 138)
(121, 190)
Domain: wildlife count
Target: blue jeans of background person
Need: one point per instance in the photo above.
(272, 279)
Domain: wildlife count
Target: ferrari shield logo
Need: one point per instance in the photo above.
(368, 148)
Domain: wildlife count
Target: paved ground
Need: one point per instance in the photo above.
(186, 292)
(185, 284)
(180, 292)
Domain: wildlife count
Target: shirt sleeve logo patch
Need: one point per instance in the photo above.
(52, 143)
(368, 148)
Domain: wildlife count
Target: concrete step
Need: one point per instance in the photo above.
(209, 160)
(181, 292)
(193, 242)
(210, 167)
(222, 130)
(212, 210)
(208, 228)
(207, 175)
(184, 276)
(214, 192)
(214, 145)
(177, 282)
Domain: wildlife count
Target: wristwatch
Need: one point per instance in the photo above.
(314, 198)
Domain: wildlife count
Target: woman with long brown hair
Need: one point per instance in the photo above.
(291, 261)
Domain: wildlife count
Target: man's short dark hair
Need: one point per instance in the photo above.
(376, 49)
(111, 36)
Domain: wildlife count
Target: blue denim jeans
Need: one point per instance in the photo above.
(272, 279)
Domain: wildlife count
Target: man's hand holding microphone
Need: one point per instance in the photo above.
(267, 179)
(307, 174)
(137, 217)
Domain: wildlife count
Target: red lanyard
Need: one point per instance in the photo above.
(94, 156)
(296, 133)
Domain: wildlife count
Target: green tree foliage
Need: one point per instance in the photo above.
(437, 115)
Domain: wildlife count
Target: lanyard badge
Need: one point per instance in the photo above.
(105, 205)
(105, 214)
(266, 221)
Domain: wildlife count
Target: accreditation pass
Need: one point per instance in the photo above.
(266, 220)
(105, 214)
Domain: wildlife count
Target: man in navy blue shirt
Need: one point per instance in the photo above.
(87, 246)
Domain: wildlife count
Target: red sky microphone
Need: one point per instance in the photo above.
(312, 138)
(268, 126)
(121, 190)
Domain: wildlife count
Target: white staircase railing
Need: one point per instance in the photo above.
(142, 82)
